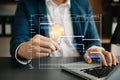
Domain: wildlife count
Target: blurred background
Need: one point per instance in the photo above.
(108, 9)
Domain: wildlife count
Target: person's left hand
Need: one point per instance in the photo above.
(107, 58)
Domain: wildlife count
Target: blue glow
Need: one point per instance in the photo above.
(43, 27)
(82, 51)
(74, 44)
(95, 57)
(98, 60)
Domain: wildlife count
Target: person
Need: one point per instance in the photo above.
(24, 48)
(115, 39)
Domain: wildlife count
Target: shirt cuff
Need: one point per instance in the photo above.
(24, 62)
(96, 47)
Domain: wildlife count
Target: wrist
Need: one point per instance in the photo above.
(20, 59)
(21, 51)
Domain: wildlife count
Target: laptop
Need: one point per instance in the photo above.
(93, 71)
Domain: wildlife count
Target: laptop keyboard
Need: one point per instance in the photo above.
(99, 72)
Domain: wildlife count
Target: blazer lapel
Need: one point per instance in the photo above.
(76, 21)
(43, 19)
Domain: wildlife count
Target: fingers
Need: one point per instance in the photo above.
(38, 55)
(104, 62)
(108, 56)
(45, 50)
(111, 58)
(45, 42)
(38, 46)
(49, 40)
(47, 45)
(115, 60)
(43, 38)
(38, 52)
(87, 58)
(56, 45)
(41, 49)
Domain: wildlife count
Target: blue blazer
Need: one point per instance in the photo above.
(30, 13)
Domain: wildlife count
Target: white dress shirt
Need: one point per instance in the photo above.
(60, 14)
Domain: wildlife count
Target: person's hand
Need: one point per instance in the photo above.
(107, 58)
(38, 46)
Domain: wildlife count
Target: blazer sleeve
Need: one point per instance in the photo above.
(91, 32)
(20, 30)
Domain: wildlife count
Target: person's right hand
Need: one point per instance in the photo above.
(38, 46)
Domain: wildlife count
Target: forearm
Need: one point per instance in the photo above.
(15, 43)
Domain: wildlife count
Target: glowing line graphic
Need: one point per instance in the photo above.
(72, 36)
(91, 39)
(44, 27)
(94, 57)
(95, 52)
(47, 23)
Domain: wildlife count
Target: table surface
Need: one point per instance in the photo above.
(38, 69)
